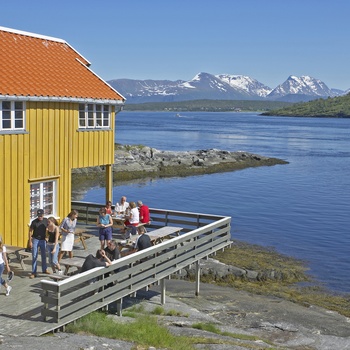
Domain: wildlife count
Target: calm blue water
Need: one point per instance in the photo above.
(301, 209)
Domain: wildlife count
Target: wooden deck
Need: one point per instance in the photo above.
(20, 312)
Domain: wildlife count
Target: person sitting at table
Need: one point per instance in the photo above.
(133, 219)
(109, 209)
(144, 212)
(101, 260)
(104, 222)
(120, 208)
(143, 241)
(112, 250)
(113, 253)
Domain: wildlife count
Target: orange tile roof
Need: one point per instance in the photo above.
(34, 65)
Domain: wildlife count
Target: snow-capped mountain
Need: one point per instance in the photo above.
(250, 85)
(221, 87)
(304, 85)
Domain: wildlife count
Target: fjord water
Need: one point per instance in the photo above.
(301, 209)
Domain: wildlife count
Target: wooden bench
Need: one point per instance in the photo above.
(82, 236)
(58, 277)
(19, 253)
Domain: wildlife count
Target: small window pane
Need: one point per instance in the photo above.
(6, 105)
(19, 105)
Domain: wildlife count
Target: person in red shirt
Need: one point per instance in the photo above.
(144, 212)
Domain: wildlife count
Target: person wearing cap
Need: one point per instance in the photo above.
(37, 235)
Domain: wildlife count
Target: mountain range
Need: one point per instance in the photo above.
(223, 87)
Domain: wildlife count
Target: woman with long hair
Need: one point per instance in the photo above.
(4, 263)
(52, 245)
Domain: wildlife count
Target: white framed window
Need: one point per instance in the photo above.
(94, 116)
(43, 196)
(12, 115)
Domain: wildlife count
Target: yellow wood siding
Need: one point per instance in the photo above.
(50, 148)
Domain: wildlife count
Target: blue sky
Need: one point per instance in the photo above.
(175, 39)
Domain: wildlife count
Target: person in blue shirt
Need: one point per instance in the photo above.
(105, 223)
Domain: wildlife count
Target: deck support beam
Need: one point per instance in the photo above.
(109, 182)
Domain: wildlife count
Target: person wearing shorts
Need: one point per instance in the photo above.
(105, 223)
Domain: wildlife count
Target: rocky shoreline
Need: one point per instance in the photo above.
(134, 162)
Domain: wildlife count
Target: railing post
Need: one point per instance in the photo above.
(162, 287)
(119, 307)
(198, 276)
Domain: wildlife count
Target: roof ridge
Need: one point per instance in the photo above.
(21, 32)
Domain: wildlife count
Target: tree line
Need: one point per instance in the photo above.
(208, 106)
(336, 107)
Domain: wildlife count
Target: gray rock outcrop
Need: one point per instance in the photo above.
(129, 158)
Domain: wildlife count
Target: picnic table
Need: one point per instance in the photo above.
(72, 262)
(158, 235)
(19, 253)
(82, 236)
(118, 221)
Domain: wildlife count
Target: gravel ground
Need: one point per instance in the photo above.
(286, 325)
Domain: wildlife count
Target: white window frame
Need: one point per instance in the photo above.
(15, 114)
(43, 197)
(94, 116)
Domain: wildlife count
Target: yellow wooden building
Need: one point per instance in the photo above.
(55, 114)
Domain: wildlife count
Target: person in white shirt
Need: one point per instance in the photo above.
(132, 219)
(121, 207)
(4, 263)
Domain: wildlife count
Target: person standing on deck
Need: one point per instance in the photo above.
(52, 245)
(104, 222)
(37, 235)
(67, 230)
(4, 263)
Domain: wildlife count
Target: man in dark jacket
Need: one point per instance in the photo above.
(36, 237)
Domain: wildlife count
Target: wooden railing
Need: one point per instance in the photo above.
(71, 298)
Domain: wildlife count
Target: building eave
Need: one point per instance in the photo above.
(60, 99)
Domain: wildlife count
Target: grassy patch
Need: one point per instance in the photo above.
(209, 327)
(144, 331)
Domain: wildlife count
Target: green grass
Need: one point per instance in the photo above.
(209, 327)
(144, 331)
